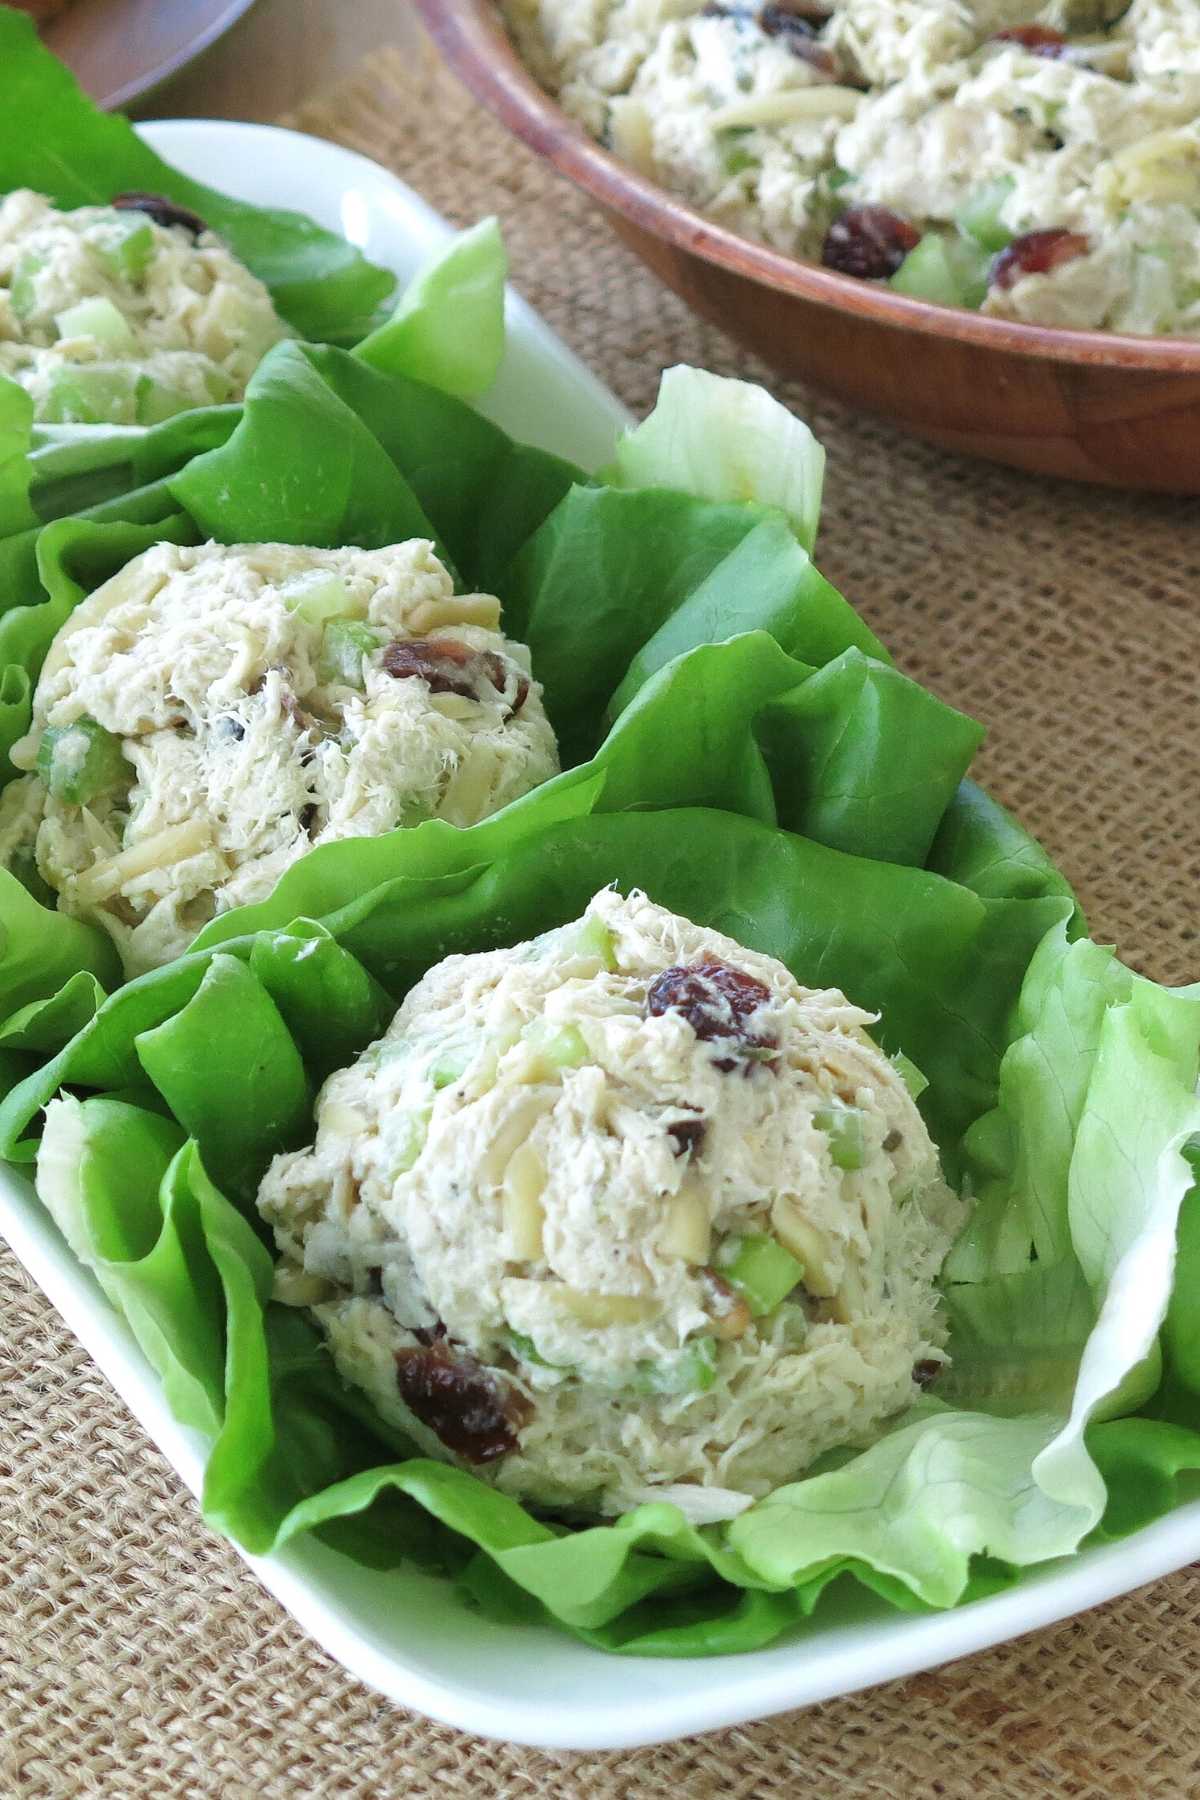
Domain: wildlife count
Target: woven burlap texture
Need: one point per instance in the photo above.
(138, 1657)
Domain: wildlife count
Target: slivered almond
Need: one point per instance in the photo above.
(809, 1245)
(511, 1135)
(296, 1287)
(823, 100)
(521, 1203)
(165, 848)
(470, 788)
(468, 609)
(345, 1121)
(598, 1310)
(686, 1229)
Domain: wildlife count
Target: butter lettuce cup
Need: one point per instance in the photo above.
(399, 1177)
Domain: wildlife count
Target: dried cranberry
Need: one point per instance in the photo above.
(780, 21)
(502, 675)
(798, 33)
(868, 241)
(811, 12)
(439, 662)
(1041, 40)
(460, 1401)
(820, 60)
(1036, 253)
(927, 1371)
(716, 1000)
(161, 210)
(304, 722)
(688, 1134)
(714, 997)
(448, 666)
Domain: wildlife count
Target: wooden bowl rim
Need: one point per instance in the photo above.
(472, 38)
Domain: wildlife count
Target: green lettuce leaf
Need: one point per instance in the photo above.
(300, 468)
(16, 436)
(448, 329)
(725, 440)
(617, 582)
(918, 1505)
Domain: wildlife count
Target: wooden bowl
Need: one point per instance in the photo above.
(1088, 404)
(121, 49)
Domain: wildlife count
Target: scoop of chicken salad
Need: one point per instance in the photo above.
(621, 1213)
(1039, 162)
(125, 314)
(210, 714)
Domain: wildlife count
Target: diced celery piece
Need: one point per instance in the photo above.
(525, 1348)
(316, 596)
(979, 215)
(156, 401)
(22, 293)
(843, 1127)
(830, 191)
(692, 1370)
(949, 271)
(345, 643)
(91, 394)
(926, 273)
(763, 1272)
(590, 937)
(129, 251)
(972, 266)
(80, 760)
(1151, 293)
(561, 1046)
(95, 318)
(735, 156)
(910, 1075)
(409, 1142)
(450, 1064)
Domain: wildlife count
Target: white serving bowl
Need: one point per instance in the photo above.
(407, 1634)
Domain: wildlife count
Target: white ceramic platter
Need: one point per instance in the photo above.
(408, 1635)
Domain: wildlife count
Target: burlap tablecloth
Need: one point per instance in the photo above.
(137, 1656)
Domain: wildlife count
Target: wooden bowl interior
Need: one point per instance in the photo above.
(1096, 406)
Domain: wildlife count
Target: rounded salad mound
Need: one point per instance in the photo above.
(211, 713)
(125, 314)
(622, 1213)
(1041, 163)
